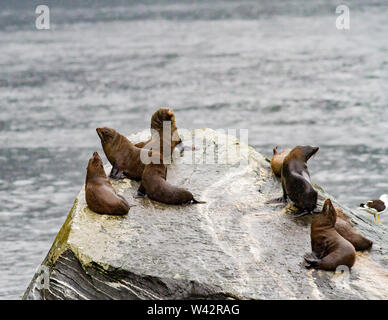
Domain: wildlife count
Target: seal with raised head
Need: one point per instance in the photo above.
(329, 248)
(277, 160)
(164, 132)
(155, 186)
(296, 182)
(122, 154)
(99, 193)
(346, 229)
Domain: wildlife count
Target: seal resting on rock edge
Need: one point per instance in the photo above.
(122, 155)
(99, 193)
(329, 248)
(157, 139)
(346, 229)
(277, 160)
(155, 186)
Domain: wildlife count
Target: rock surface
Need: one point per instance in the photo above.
(234, 246)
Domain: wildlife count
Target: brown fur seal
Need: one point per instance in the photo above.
(122, 154)
(296, 183)
(157, 133)
(329, 248)
(99, 193)
(155, 186)
(346, 229)
(277, 160)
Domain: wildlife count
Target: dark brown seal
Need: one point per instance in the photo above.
(277, 160)
(155, 186)
(346, 229)
(159, 137)
(329, 248)
(99, 193)
(122, 154)
(296, 182)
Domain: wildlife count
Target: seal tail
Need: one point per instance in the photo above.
(197, 201)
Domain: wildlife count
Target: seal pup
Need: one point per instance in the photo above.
(296, 182)
(376, 207)
(346, 229)
(122, 154)
(329, 248)
(99, 193)
(159, 138)
(277, 160)
(155, 186)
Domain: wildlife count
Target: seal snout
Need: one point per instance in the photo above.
(99, 132)
(314, 151)
(96, 159)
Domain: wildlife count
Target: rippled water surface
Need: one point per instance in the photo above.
(280, 69)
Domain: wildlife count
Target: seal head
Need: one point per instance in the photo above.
(277, 160)
(122, 154)
(164, 133)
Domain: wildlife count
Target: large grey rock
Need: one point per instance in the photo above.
(234, 246)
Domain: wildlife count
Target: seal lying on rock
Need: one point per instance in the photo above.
(346, 229)
(330, 249)
(158, 140)
(99, 193)
(155, 186)
(122, 154)
(277, 160)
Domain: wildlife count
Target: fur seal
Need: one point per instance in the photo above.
(99, 193)
(296, 182)
(155, 186)
(329, 248)
(277, 160)
(346, 229)
(158, 138)
(122, 154)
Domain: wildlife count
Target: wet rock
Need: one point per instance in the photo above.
(234, 246)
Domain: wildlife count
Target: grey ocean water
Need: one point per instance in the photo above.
(278, 68)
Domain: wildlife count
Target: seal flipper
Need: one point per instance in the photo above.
(115, 173)
(311, 260)
(282, 199)
(141, 192)
(125, 200)
(301, 213)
